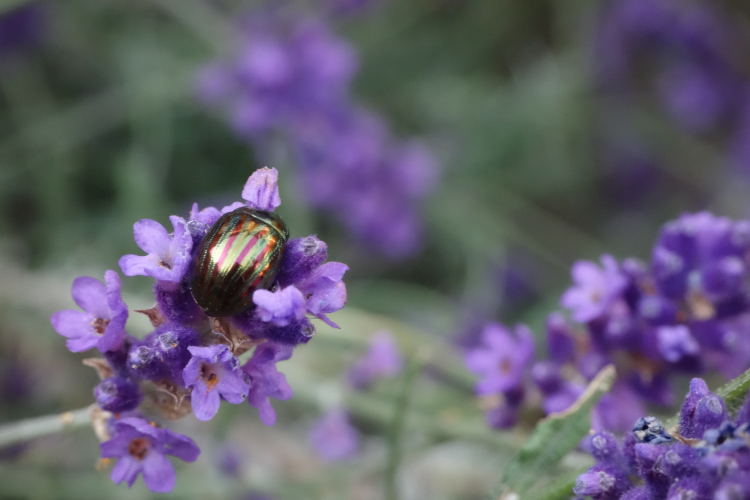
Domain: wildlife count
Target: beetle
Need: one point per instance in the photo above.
(241, 253)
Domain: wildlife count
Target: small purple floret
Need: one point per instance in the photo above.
(168, 257)
(265, 379)
(212, 373)
(117, 394)
(101, 324)
(140, 447)
(501, 359)
(595, 288)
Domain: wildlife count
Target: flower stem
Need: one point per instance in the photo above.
(32, 428)
(401, 407)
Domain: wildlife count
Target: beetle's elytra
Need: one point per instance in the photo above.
(241, 253)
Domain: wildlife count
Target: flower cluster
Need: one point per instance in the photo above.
(189, 362)
(684, 53)
(709, 458)
(292, 76)
(685, 312)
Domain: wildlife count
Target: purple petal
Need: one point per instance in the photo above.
(151, 236)
(81, 344)
(126, 469)
(180, 446)
(261, 191)
(158, 473)
(231, 208)
(266, 413)
(136, 265)
(207, 216)
(205, 401)
(72, 324)
(91, 295)
(280, 307)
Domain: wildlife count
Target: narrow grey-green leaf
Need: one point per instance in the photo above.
(552, 439)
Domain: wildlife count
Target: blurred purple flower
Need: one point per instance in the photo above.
(168, 256)
(214, 373)
(595, 288)
(141, 448)
(101, 324)
(23, 27)
(333, 437)
(383, 359)
(265, 379)
(501, 359)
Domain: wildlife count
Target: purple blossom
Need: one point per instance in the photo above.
(716, 467)
(163, 354)
(501, 359)
(207, 216)
(333, 437)
(675, 342)
(281, 307)
(141, 448)
(595, 288)
(214, 373)
(261, 192)
(265, 379)
(101, 324)
(383, 359)
(168, 256)
(117, 394)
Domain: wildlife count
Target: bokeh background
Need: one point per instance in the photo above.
(556, 131)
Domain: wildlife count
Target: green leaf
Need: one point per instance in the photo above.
(552, 439)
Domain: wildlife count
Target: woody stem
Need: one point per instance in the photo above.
(32, 428)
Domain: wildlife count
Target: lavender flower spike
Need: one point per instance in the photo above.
(261, 191)
(101, 324)
(213, 372)
(333, 437)
(168, 257)
(265, 379)
(141, 448)
(595, 289)
(325, 290)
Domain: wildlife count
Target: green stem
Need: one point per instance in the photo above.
(401, 407)
(32, 428)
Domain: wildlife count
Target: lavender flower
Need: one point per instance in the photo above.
(293, 76)
(383, 359)
(141, 448)
(265, 379)
(715, 466)
(214, 373)
(595, 289)
(333, 436)
(101, 324)
(190, 360)
(687, 311)
(168, 257)
(501, 359)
